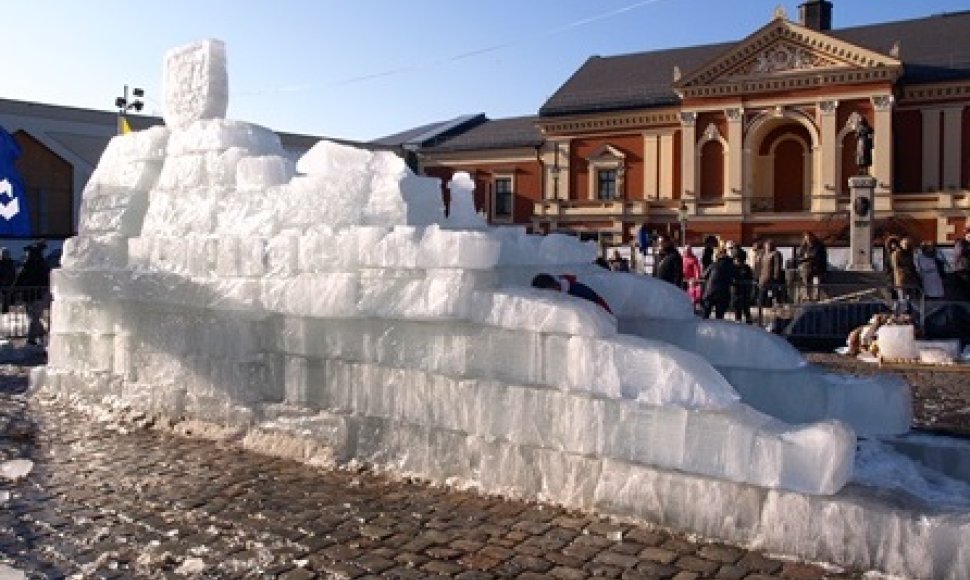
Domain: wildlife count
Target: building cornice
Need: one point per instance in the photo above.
(635, 120)
(919, 94)
(489, 156)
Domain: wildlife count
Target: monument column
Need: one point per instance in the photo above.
(882, 155)
(861, 210)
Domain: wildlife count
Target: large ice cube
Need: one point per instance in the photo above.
(195, 84)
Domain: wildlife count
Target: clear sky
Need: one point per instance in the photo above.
(362, 69)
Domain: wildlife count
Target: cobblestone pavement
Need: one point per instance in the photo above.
(117, 500)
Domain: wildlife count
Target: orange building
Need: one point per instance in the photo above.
(748, 139)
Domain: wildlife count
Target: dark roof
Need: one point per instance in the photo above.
(90, 147)
(434, 133)
(933, 49)
(497, 134)
(399, 139)
(628, 81)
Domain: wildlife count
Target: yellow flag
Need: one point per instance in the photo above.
(123, 127)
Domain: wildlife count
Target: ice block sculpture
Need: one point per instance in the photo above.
(333, 300)
(196, 83)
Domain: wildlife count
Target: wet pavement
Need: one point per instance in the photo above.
(110, 499)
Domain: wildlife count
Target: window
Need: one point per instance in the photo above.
(606, 184)
(503, 197)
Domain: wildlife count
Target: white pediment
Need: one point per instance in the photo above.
(782, 49)
(606, 153)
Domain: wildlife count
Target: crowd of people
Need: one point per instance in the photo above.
(921, 270)
(722, 278)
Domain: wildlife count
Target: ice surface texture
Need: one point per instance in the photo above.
(213, 278)
(195, 84)
(351, 239)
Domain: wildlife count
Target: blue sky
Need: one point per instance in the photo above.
(361, 69)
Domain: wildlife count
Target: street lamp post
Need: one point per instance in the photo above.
(682, 212)
(126, 104)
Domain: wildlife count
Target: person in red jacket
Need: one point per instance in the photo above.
(692, 275)
(570, 285)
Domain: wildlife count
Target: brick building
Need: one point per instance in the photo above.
(754, 138)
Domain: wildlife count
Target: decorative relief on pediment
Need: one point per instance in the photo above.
(782, 57)
(786, 56)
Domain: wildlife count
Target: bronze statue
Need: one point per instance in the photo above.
(863, 146)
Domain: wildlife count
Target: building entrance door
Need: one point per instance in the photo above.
(789, 182)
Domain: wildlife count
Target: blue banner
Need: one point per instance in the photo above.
(14, 216)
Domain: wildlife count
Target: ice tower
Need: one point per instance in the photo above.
(330, 301)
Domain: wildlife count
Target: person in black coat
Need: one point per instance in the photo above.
(743, 290)
(33, 283)
(718, 281)
(8, 274)
(707, 255)
(671, 264)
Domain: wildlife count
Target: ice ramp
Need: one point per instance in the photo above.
(771, 376)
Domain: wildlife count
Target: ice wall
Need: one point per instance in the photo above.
(212, 278)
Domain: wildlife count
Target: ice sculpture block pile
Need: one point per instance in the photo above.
(331, 299)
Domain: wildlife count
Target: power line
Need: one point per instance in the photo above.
(455, 57)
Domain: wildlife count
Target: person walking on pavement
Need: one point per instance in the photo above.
(8, 274)
(33, 283)
(812, 264)
(743, 290)
(670, 266)
(961, 263)
(771, 275)
(692, 276)
(718, 280)
(930, 267)
(707, 254)
(905, 275)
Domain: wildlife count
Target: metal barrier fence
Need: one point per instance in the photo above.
(25, 313)
(822, 313)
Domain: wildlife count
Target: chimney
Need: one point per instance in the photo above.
(816, 14)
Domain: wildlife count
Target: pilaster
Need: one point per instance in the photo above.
(735, 160)
(931, 149)
(952, 151)
(555, 160)
(688, 176)
(824, 195)
(651, 164)
(666, 166)
(882, 153)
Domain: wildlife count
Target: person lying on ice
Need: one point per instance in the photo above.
(567, 283)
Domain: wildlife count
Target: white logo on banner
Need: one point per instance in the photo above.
(12, 208)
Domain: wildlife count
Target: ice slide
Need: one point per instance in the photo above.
(330, 300)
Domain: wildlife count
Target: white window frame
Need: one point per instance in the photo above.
(510, 177)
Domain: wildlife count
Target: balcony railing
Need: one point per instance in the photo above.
(572, 208)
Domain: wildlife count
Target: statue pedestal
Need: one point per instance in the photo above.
(861, 212)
